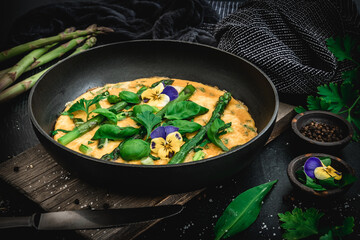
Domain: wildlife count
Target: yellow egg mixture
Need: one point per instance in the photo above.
(243, 126)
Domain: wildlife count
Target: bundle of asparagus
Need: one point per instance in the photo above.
(42, 51)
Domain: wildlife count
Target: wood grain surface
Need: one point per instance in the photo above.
(36, 175)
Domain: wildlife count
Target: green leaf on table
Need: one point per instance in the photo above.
(350, 76)
(149, 120)
(184, 110)
(129, 97)
(300, 109)
(298, 224)
(213, 131)
(341, 47)
(114, 132)
(327, 236)
(184, 126)
(345, 229)
(242, 211)
(106, 113)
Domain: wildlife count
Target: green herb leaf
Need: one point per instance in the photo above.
(106, 113)
(345, 229)
(149, 120)
(134, 149)
(114, 132)
(213, 131)
(299, 224)
(53, 133)
(184, 110)
(347, 179)
(327, 236)
(113, 99)
(129, 97)
(242, 211)
(326, 161)
(329, 183)
(341, 47)
(142, 108)
(184, 126)
(317, 103)
(83, 105)
(312, 184)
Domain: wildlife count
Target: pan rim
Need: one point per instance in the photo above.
(129, 165)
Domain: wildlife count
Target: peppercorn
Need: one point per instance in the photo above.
(322, 132)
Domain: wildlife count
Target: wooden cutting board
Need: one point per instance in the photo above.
(38, 176)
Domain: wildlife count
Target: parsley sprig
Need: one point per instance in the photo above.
(84, 105)
(344, 98)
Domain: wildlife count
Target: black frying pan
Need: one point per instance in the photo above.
(127, 61)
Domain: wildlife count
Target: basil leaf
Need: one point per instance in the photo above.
(134, 149)
(184, 126)
(212, 134)
(142, 108)
(242, 211)
(184, 110)
(106, 113)
(114, 132)
(129, 97)
(312, 184)
(148, 120)
(113, 99)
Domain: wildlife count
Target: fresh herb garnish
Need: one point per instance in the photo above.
(184, 110)
(300, 224)
(344, 98)
(114, 132)
(107, 113)
(129, 97)
(213, 131)
(184, 126)
(242, 211)
(53, 133)
(84, 105)
(149, 120)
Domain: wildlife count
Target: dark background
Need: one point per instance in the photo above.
(200, 214)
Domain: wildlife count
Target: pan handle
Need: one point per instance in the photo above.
(15, 222)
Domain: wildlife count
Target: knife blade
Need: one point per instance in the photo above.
(90, 219)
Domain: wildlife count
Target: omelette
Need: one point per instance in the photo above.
(240, 127)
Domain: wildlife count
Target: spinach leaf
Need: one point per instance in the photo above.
(149, 120)
(129, 97)
(184, 110)
(83, 105)
(114, 132)
(184, 126)
(106, 113)
(212, 134)
(242, 211)
(134, 149)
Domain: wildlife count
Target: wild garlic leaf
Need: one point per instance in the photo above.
(341, 47)
(149, 120)
(114, 132)
(184, 110)
(298, 224)
(106, 113)
(212, 134)
(242, 211)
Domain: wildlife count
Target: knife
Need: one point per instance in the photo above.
(90, 219)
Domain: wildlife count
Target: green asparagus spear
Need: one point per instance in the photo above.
(29, 82)
(56, 53)
(16, 71)
(93, 29)
(89, 125)
(180, 156)
(185, 94)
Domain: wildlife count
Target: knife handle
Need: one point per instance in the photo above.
(14, 222)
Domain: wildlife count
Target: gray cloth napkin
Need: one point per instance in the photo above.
(286, 39)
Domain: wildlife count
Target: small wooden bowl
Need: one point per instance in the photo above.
(336, 162)
(302, 119)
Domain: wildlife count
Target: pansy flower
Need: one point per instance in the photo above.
(315, 168)
(160, 95)
(166, 141)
